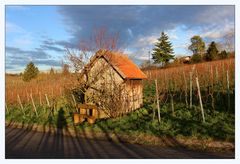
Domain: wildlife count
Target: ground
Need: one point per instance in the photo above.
(28, 144)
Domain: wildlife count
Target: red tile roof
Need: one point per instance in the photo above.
(123, 65)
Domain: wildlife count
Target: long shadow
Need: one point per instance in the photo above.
(62, 147)
(92, 149)
(83, 145)
(59, 138)
(170, 142)
(41, 146)
(57, 145)
(18, 135)
(76, 150)
(121, 146)
(101, 145)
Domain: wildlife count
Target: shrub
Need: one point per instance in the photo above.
(196, 58)
(223, 55)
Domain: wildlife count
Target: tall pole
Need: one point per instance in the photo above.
(149, 55)
(157, 97)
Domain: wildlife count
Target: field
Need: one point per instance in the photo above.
(46, 101)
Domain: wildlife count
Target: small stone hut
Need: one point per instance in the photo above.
(115, 70)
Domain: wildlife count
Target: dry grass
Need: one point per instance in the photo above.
(52, 85)
(208, 73)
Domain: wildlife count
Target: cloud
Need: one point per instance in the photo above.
(52, 44)
(52, 48)
(145, 22)
(146, 41)
(16, 58)
(130, 32)
(19, 35)
(13, 28)
(35, 54)
(81, 20)
(49, 62)
(219, 31)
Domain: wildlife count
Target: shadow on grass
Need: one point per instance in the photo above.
(61, 143)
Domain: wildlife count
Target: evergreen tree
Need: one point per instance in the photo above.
(212, 52)
(30, 72)
(51, 72)
(223, 55)
(163, 51)
(197, 45)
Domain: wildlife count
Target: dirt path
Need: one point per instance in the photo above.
(30, 144)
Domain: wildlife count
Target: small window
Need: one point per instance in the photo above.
(90, 112)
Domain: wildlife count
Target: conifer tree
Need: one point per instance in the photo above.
(223, 55)
(51, 72)
(163, 51)
(212, 52)
(30, 72)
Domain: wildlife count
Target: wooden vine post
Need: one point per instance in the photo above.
(34, 107)
(157, 97)
(200, 99)
(216, 76)
(172, 105)
(75, 103)
(154, 113)
(191, 86)
(20, 103)
(228, 92)
(186, 88)
(40, 98)
(172, 86)
(190, 90)
(47, 100)
(6, 108)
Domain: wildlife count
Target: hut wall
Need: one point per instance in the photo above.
(135, 88)
(104, 75)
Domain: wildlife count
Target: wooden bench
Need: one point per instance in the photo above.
(85, 111)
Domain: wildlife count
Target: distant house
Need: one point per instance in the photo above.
(185, 59)
(108, 69)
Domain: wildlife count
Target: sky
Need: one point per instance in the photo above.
(42, 33)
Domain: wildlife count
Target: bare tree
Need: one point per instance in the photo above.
(101, 39)
(65, 69)
(98, 82)
(229, 41)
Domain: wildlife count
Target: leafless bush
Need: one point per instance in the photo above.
(96, 80)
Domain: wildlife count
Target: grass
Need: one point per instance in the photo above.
(185, 122)
(46, 115)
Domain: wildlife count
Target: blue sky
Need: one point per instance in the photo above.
(41, 33)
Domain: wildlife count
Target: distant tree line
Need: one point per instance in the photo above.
(163, 52)
(31, 71)
(201, 54)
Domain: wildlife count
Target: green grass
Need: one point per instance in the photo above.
(185, 122)
(46, 115)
